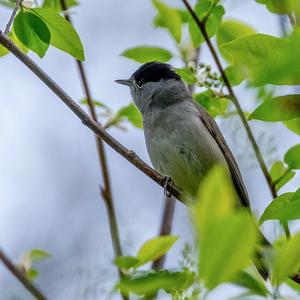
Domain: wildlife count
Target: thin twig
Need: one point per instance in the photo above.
(21, 277)
(235, 101)
(12, 17)
(106, 191)
(166, 227)
(132, 157)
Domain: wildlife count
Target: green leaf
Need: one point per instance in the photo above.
(3, 51)
(32, 274)
(229, 31)
(96, 103)
(280, 108)
(280, 175)
(292, 157)
(280, 6)
(267, 59)
(63, 34)
(17, 42)
(155, 248)
(32, 31)
(286, 260)
(186, 75)
(143, 54)
(253, 283)
(224, 252)
(37, 255)
(214, 13)
(293, 125)
(169, 18)
(214, 105)
(126, 262)
(7, 3)
(235, 75)
(284, 208)
(131, 114)
(56, 4)
(150, 282)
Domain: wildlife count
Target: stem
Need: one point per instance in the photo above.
(132, 157)
(21, 277)
(12, 17)
(235, 101)
(106, 189)
(166, 227)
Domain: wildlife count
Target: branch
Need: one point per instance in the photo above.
(106, 189)
(21, 277)
(166, 227)
(91, 124)
(12, 17)
(235, 101)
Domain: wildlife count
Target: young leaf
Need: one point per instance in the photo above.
(37, 255)
(186, 75)
(143, 54)
(286, 260)
(3, 51)
(63, 34)
(126, 262)
(223, 251)
(230, 30)
(32, 31)
(284, 208)
(281, 108)
(169, 18)
(254, 284)
(32, 274)
(155, 248)
(149, 283)
(56, 4)
(132, 114)
(292, 157)
(96, 103)
(213, 104)
(213, 15)
(293, 125)
(280, 174)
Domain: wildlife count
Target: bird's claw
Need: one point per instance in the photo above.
(167, 181)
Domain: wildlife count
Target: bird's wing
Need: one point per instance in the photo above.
(215, 132)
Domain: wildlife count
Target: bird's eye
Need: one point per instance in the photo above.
(140, 82)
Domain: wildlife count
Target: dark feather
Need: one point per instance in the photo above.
(215, 132)
(153, 72)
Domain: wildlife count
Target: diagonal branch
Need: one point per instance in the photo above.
(106, 191)
(235, 101)
(132, 157)
(21, 277)
(12, 17)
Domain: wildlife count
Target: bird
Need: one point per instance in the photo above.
(183, 141)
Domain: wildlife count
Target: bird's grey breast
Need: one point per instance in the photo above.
(179, 145)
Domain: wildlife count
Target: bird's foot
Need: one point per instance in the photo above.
(166, 181)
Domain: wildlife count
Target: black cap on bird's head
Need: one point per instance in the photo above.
(151, 72)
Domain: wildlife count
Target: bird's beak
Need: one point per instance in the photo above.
(127, 82)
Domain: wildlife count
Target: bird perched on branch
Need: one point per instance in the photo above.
(183, 140)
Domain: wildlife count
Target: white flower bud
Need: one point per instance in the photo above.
(27, 3)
